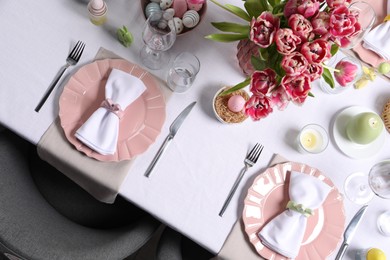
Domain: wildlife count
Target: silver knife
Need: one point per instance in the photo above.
(350, 231)
(172, 132)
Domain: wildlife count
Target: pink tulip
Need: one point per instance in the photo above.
(336, 3)
(315, 71)
(196, 2)
(300, 26)
(262, 82)
(297, 87)
(320, 23)
(279, 98)
(258, 107)
(294, 64)
(307, 8)
(286, 41)
(342, 22)
(345, 72)
(316, 51)
(263, 29)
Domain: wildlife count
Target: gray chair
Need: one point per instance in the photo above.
(31, 228)
(174, 246)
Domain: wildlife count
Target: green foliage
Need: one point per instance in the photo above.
(237, 87)
(232, 27)
(328, 77)
(255, 7)
(225, 37)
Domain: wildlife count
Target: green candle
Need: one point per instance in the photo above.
(364, 128)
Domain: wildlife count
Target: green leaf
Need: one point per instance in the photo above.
(239, 86)
(256, 7)
(234, 10)
(258, 63)
(334, 49)
(328, 77)
(238, 11)
(311, 94)
(263, 53)
(232, 27)
(224, 37)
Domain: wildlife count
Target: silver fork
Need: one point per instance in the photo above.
(249, 161)
(71, 60)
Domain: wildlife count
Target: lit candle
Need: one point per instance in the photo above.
(313, 139)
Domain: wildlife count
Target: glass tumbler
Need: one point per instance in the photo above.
(183, 72)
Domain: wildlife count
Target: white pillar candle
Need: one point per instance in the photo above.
(313, 139)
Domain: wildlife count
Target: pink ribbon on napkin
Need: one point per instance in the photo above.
(112, 107)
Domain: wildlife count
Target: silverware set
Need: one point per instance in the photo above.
(249, 161)
(71, 60)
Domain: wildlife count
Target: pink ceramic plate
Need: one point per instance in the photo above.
(268, 196)
(141, 123)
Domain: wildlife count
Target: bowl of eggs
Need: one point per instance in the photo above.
(229, 108)
(185, 14)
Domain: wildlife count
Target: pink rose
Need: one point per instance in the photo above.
(315, 71)
(286, 41)
(342, 22)
(300, 26)
(294, 64)
(262, 82)
(320, 23)
(316, 51)
(258, 107)
(263, 29)
(345, 72)
(297, 87)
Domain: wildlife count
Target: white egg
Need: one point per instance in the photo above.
(165, 4)
(155, 1)
(162, 24)
(191, 18)
(169, 14)
(177, 24)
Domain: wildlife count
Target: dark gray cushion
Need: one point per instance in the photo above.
(30, 227)
(174, 246)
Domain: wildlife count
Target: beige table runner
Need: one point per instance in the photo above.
(101, 179)
(237, 245)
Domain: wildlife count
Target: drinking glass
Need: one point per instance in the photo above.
(158, 37)
(360, 188)
(366, 18)
(183, 71)
(331, 64)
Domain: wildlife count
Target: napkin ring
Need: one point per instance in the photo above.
(112, 107)
(299, 208)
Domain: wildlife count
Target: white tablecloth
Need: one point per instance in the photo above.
(190, 183)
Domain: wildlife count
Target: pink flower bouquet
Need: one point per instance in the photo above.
(294, 39)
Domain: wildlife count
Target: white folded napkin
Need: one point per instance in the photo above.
(378, 40)
(284, 233)
(100, 131)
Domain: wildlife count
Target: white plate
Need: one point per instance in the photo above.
(353, 150)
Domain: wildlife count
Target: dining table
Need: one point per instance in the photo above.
(191, 181)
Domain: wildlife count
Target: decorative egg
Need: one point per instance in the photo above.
(156, 1)
(236, 103)
(162, 24)
(195, 7)
(191, 18)
(151, 8)
(180, 7)
(177, 24)
(165, 4)
(168, 14)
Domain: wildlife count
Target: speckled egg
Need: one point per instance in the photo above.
(176, 23)
(168, 14)
(191, 18)
(151, 8)
(165, 4)
(195, 7)
(236, 103)
(180, 7)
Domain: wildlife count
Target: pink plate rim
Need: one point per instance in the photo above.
(325, 229)
(142, 120)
